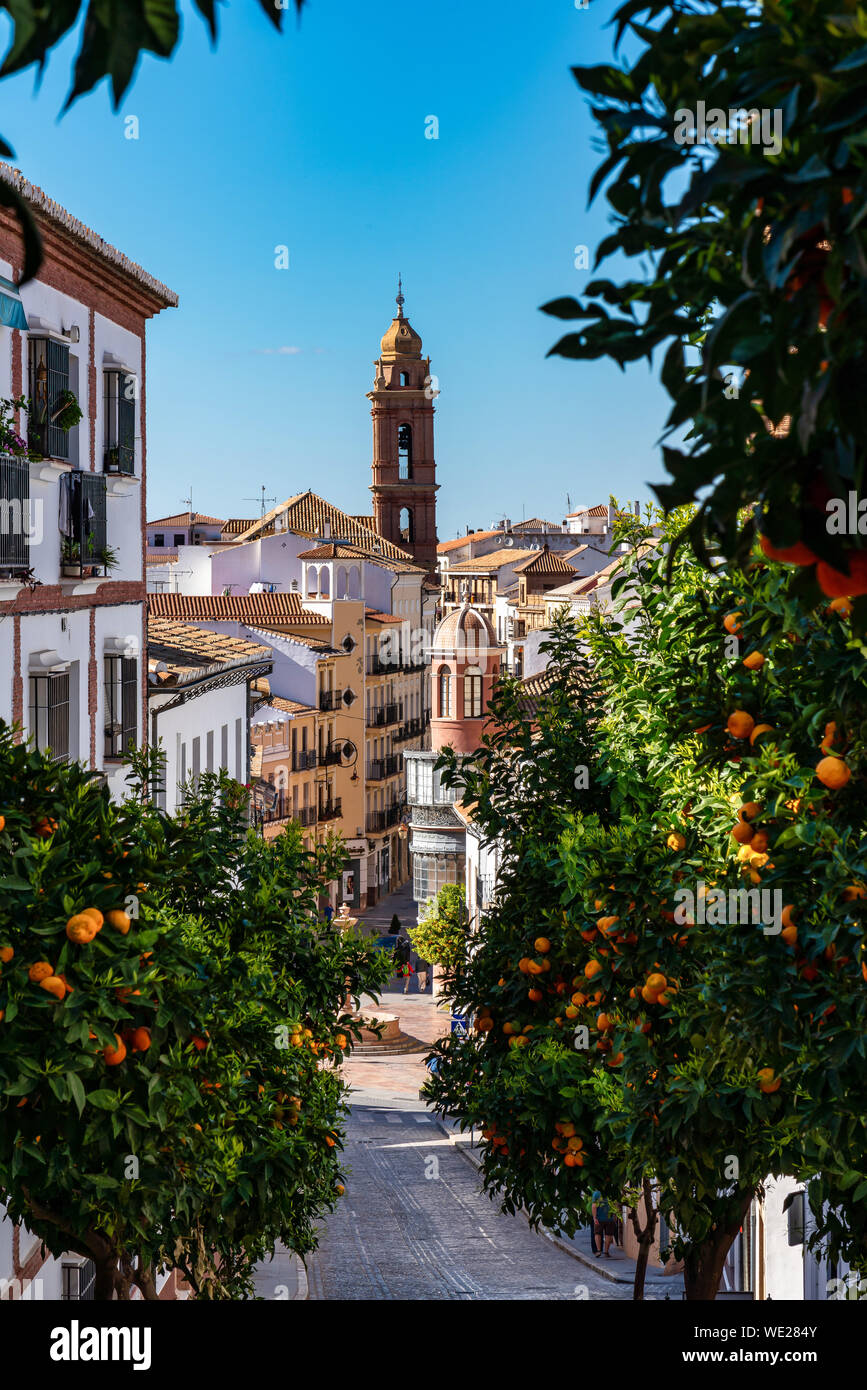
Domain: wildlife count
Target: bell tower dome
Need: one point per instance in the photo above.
(404, 483)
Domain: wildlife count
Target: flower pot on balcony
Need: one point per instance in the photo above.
(72, 570)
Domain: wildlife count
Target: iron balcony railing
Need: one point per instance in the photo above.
(380, 718)
(83, 538)
(375, 822)
(119, 423)
(331, 810)
(330, 699)
(14, 513)
(380, 768)
(331, 757)
(306, 815)
(304, 761)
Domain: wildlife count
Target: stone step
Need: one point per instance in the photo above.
(404, 1042)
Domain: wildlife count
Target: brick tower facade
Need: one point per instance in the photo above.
(404, 472)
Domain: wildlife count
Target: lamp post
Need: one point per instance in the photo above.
(344, 922)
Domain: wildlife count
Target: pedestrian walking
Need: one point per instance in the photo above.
(422, 970)
(401, 956)
(604, 1224)
(408, 974)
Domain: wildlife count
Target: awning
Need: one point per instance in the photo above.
(12, 313)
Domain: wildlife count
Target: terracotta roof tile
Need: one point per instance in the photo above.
(190, 652)
(506, 556)
(166, 557)
(600, 510)
(336, 551)
(187, 519)
(236, 525)
(308, 514)
(445, 546)
(251, 609)
(545, 562)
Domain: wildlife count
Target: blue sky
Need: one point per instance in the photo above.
(316, 139)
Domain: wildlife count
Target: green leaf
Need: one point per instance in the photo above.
(104, 1099)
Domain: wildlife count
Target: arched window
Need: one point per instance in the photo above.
(404, 450)
(407, 530)
(312, 581)
(404, 378)
(341, 590)
(445, 678)
(472, 693)
(324, 582)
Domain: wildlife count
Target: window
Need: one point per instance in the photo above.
(404, 450)
(83, 520)
(430, 872)
(77, 1281)
(159, 539)
(445, 679)
(49, 714)
(119, 396)
(178, 538)
(472, 693)
(49, 379)
(404, 378)
(121, 700)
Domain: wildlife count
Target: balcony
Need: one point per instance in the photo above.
(14, 513)
(381, 718)
(426, 718)
(119, 458)
(330, 699)
(331, 757)
(411, 729)
(331, 810)
(304, 761)
(306, 816)
(380, 768)
(84, 549)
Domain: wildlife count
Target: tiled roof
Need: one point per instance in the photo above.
(366, 521)
(237, 524)
(507, 556)
(445, 546)
(574, 553)
(290, 706)
(189, 652)
(187, 519)
(535, 523)
(306, 639)
(307, 514)
(372, 615)
(600, 510)
(57, 214)
(167, 557)
(251, 609)
(336, 551)
(545, 561)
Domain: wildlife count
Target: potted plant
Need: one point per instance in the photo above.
(67, 412)
(112, 459)
(109, 558)
(70, 558)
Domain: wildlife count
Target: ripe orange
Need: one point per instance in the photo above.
(484, 1025)
(760, 729)
(541, 945)
(743, 832)
(119, 920)
(6, 954)
(39, 972)
(95, 913)
(731, 622)
(81, 929)
(656, 982)
(843, 606)
(797, 554)
(615, 1059)
(676, 841)
(2, 823)
(201, 1043)
(342, 1041)
(740, 724)
(855, 890)
(535, 995)
(114, 1055)
(750, 810)
(649, 995)
(789, 935)
(54, 985)
(753, 661)
(605, 925)
(837, 584)
(833, 772)
(592, 968)
(603, 1023)
(141, 1040)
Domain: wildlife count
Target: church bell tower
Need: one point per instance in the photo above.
(404, 483)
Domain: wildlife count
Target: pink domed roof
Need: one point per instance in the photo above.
(465, 629)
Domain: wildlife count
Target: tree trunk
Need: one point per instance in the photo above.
(703, 1265)
(105, 1281)
(645, 1236)
(641, 1270)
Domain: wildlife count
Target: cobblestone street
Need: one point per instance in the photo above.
(413, 1224)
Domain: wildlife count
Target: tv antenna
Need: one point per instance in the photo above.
(262, 500)
(188, 501)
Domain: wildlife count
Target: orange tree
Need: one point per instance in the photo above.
(699, 1072)
(798, 744)
(749, 248)
(169, 1003)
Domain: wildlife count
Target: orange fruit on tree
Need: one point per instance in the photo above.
(6, 954)
(740, 724)
(843, 606)
(676, 841)
(119, 920)
(753, 661)
(541, 945)
(759, 842)
(742, 832)
(603, 1023)
(649, 995)
(750, 810)
(535, 995)
(789, 935)
(605, 924)
(2, 823)
(760, 729)
(797, 554)
(571, 1159)
(731, 622)
(833, 772)
(592, 968)
(95, 913)
(656, 982)
(80, 929)
(114, 1055)
(39, 972)
(855, 890)
(141, 1040)
(615, 1059)
(484, 1025)
(54, 985)
(509, 1028)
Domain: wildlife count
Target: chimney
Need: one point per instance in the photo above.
(638, 509)
(610, 516)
